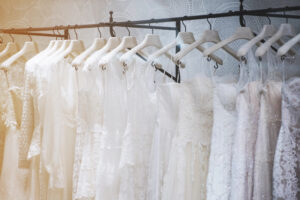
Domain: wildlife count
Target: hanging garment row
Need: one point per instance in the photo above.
(102, 123)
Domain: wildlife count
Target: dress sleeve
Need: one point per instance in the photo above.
(27, 122)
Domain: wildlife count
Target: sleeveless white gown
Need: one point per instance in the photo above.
(188, 161)
(225, 117)
(286, 174)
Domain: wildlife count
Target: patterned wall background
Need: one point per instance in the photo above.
(34, 13)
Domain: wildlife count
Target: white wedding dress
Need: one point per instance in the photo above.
(243, 153)
(168, 96)
(59, 129)
(114, 125)
(89, 132)
(268, 130)
(286, 174)
(13, 181)
(225, 117)
(138, 136)
(189, 156)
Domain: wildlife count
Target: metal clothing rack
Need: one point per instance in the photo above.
(146, 24)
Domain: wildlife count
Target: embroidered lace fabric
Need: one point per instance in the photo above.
(219, 173)
(13, 181)
(137, 139)
(114, 125)
(59, 128)
(189, 156)
(89, 131)
(286, 172)
(268, 130)
(165, 128)
(244, 141)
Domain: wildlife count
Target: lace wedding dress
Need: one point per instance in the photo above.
(189, 156)
(286, 174)
(219, 173)
(168, 96)
(13, 181)
(89, 132)
(243, 153)
(268, 130)
(114, 125)
(59, 129)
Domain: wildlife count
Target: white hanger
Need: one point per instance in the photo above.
(29, 49)
(112, 43)
(10, 49)
(150, 40)
(267, 31)
(97, 44)
(240, 33)
(287, 46)
(41, 53)
(2, 46)
(284, 30)
(169, 46)
(75, 48)
(207, 36)
(55, 54)
(127, 42)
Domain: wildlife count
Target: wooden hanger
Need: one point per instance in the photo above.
(97, 44)
(112, 43)
(284, 30)
(240, 33)
(287, 46)
(267, 31)
(127, 42)
(28, 51)
(10, 49)
(150, 40)
(207, 36)
(56, 55)
(75, 48)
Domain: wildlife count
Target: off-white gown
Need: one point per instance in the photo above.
(59, 129)
(114, 125)
(268, 130)
(225, 117)
(189, 156)
(13, 181)
(137, 139)
(286, 174)
(89, 132)
(168, 96)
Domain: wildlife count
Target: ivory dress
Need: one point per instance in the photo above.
(286, 174)
(138, 136)
(189, 156)
(225, 117)
(168, 96)
(114, 125)
(13, 181)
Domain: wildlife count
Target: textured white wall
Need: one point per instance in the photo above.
(25, 13)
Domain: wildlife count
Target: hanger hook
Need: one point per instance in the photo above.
(208, 23)
(286, 18)
(12, 38)
(29, 36)
(128, 30)
(216, 66)
(183, 25)
(75, 32)
(100, 34)
(54, 33)
(152, 30)
(269, 20)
